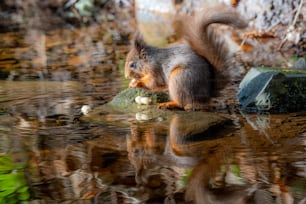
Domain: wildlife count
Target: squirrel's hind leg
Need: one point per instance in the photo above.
(174, 89)
(189, 87)
(173, 86)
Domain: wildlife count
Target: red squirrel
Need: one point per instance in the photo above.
(193, 71)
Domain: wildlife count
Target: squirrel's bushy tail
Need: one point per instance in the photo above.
(205, 41)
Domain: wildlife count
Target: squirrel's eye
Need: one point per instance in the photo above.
(132, 65)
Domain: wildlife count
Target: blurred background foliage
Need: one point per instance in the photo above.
(48, 14)
(13, 183)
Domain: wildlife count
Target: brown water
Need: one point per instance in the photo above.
(49, 155)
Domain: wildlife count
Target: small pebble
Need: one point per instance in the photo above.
(137, 99)
(143, 100)
(85, 109)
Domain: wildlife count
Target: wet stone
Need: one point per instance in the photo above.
(126, 98)
(273, 90)
(183, 125)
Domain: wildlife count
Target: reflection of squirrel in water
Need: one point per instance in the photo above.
(192, 72)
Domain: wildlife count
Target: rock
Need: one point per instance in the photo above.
(300, 63)
(183, 126)
(273, 89)
(123, 109)
(125, 100)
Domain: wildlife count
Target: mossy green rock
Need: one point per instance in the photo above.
(125, 100)
(274, 90)
(123, 111)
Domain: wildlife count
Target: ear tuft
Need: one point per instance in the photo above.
(139, 42)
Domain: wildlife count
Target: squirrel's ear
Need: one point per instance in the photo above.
(139, 43)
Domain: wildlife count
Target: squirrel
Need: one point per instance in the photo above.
(192, 71)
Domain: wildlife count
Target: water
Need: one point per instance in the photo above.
(50, 155)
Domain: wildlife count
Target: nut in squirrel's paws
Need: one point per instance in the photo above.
(134, 83)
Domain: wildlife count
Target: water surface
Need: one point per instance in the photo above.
(51, 155)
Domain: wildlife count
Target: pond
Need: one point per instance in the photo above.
(50, 154)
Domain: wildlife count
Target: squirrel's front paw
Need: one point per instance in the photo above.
(136, 84)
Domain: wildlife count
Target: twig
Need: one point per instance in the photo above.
(297, 13)
(291, 27)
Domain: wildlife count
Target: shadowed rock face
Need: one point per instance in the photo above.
(274, 90)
